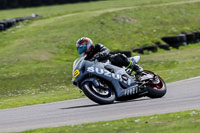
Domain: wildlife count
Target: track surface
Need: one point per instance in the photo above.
(181, 95)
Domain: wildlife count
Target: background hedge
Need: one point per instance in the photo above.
(6, 4)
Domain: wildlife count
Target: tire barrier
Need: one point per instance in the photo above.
(162, 46)
(8, 23)
(127, 53)
(20, 19)
(191, 38)
(139, 50)
(1, 27)
(175, 41)
(8, 4)
(197, 35)
(4, 23)
(172, 41)
(152, 48)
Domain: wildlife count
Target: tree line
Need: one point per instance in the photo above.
(7, 4)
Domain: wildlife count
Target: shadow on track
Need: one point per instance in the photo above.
(92, 105)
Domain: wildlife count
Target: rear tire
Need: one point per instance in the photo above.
(157, 93)
(90, 92)
(156, 90)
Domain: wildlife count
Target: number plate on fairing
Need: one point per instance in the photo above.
(76, 73)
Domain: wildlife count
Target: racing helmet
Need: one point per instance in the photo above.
(84, 45)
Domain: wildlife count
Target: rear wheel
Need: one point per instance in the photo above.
(101, 95)
(157, 87)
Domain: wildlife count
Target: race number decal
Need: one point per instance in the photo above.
(76, 73)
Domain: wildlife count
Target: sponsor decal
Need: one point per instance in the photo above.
(76, 73)
(109, 74)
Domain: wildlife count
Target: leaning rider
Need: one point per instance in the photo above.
(86, 48)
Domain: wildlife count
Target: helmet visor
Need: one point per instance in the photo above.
(82, 49)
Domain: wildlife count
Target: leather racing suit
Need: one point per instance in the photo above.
(100, 52)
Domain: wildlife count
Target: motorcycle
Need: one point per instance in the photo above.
(105, 83)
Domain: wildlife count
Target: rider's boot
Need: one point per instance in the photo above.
(137, 68)
(138, 71)
(134, 67)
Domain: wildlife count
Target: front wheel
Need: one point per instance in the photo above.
(98, 94)
(157, 87)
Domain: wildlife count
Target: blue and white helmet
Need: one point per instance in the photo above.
(84, 45)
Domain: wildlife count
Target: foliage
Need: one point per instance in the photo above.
(5, 4)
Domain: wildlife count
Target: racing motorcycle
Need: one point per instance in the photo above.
(105, 83)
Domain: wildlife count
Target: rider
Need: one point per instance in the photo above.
(85, 47)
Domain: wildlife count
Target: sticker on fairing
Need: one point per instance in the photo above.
(76, 73)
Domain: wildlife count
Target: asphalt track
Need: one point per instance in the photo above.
(181, 95)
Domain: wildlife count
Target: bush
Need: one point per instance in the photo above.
(30, 3)
(3, 4)
(12, 3)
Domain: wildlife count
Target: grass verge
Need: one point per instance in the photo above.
(180, 122)
(169, 64)
(64, 9)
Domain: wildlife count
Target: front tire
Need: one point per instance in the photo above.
(107, 96)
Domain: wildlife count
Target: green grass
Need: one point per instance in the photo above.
(176, 64)
(169, 64)
(180, 122)
(36, 56)
(31, 97)
(58, 10)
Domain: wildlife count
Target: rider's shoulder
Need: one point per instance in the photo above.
(99, 46)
